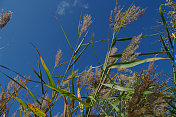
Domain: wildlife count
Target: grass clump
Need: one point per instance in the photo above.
(109, 89)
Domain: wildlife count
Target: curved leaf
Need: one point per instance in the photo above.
(164, 22)
(66, 93)
(133, 63)
(36, 111)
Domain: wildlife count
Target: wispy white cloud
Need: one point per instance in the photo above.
(75, 2)
(70, 4)
(80, 3)
(62, 7)
(86, 6)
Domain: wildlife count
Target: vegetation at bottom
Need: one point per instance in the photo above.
(110, 89)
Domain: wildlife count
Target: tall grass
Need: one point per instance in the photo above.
(109, 89)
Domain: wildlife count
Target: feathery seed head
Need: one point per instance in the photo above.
(85, 24)
(57, 58)
(133, 14)
(4, 18)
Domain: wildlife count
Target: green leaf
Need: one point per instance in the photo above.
(51, 81)
(64, 34)
(36, 111)
(40, 77)
(131, 90)
(66, 93)
(31, 93)
(141, 54)
(78, 57)
(12, 79)
(133, 63)
(120, 88)
(21, 102)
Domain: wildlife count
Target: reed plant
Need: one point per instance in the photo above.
(109, 89)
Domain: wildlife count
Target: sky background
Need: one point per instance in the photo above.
(33, 21)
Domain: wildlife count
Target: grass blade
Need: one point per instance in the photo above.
(64, 34)
(123, 39)
(51, 81)
(31, 93)
(141, 54)
(40, 77)
(131, 90)
(78, 57)
(21, 102)
(66, 93)
(164, 22)
(133, 63)
(36, 111)
(13, 80)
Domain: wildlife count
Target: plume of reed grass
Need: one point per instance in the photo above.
(139, 105)
(117, 15)
(58, 58)
(4, 18)
(87, 21)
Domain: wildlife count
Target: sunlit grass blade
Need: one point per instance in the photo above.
(36, 111)
(66, 93)
(30, 93)
(165, 24)
(133, 63)
(22, 103)
(51, 81)
(65, 34)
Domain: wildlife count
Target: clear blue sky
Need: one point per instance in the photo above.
(34, 21)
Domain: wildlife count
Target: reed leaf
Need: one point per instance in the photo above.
(66, 93)
(140, 54)
(130, 90)
(37, 111)
(30, 93)
(165, 24)
(133, 63)
(22, 103)
(65, 34)
(51, 81)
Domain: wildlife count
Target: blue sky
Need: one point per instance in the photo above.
(34, 21)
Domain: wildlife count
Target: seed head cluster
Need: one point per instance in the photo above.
(4, 18)
(128, 54)
(133, 14)
(85, 24)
